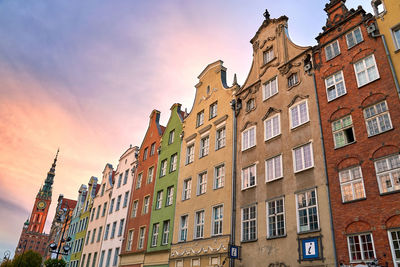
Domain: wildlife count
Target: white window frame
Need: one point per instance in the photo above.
(334, 85)
(142, 233)
(268, 89)
(388, 172)
(375, 118)
(353, 35)
(159, 199)
(340, 132)
(173, 162)
(146, 204)
(200, 118)
(274, 130)
(202, 183)
(361, 248)
(163, 167)
(199, 224)
(275, 164)
(135, 208)
(130, 240)
(183, 228)
(396, 38)
(352, 181)
(150, 175)
(293, 80)
(368, 79)
(299, 117)
(275, 215)
(219, 178)
(302, 154)
(217, 223)
(246, 181)
(307, 208)
(170, 196)
(396, 260)
(246, 138)
(171, 137)
(213, 110)
(139, 180)
(165, 235)
(220, 138)
(154, 236)
(331, 46)
(268, 56)
(187, 188)
(152, 149)
(204, 146)
(190, 153)
(248, 221)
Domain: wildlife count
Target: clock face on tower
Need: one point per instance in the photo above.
(41, 205)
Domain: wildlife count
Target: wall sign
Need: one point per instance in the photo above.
(310, 249)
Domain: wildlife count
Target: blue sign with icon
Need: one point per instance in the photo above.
(234, 252)
(310, 248)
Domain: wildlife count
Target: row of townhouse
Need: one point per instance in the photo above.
(299, 166)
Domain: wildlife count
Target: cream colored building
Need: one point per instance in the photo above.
(283, 216)
(203, 206)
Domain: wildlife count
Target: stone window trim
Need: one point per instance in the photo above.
(267, 86)
(296, 104)
(269, 50)
(298, 82)
(275, 130)
(250, 105)
(395, 31)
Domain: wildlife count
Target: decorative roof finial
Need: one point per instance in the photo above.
(266, 14)
(234, 79)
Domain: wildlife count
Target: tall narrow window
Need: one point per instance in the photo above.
(171, 137)
(135, 208)
(119, 181)
(276, 218)
(332, 50)
(303, 158)
(183, 228)
(93, 236)
(270, 88)
(361, 247)
(377, 118)
(130, 240)
(272, 126)
(219, 176)
(249, 177)
(249, 223)
(99, 234)
(220, 138)
(142, 233)
(154, 237)
(190, 154)
(307, 211)
(268, 56)
(394, 237)
(173, 163)
(159, 199)
(218, 213)
(213, 110)
(292, 80)
(126, 176)
(351, 184)
(165, 235)
(114, 227)
(335, 86)
(273, 168)
(204, 146)
(343, 131)
(170, 196)
(139, 180)
(163, 168)
(200, 118)
(146, 150)
(199, 225)
(249, 138)
(187, 188)
(118, 203)
(366, 70)
(121, 227)
(126, 198)
(388, 173)
(299, 114)
(152, 149)
(202, 183)
(146, 203)
(354, 37)
(396, 39)
(150, 175)
(106, 231)
(112, 205)
(108, 260)
(116, 254)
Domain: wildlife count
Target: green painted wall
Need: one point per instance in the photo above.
(170, 179)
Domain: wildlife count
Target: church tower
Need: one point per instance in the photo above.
(32, 236)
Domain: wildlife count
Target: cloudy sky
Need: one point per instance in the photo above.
(85, 75)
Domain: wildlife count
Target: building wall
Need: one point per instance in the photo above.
(211, 89)
(369, 211)
(261, 245)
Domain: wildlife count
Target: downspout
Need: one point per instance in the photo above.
(326, 172)
(233, 195)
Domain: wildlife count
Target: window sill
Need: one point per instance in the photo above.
(329, 101)
(219, 148)
(276, 237)
(265, 99)
(309, 231)
(389, 193)
(247, 149)
(360, 86)
(354, 200)
(203, 156)
(218, 188)
(292, 86)
(327, 60)
(345, 145)
(273, 138)
(369, 136)
(348, 48)
(188, 163)
(249, 241)
(273, 180)
(300, 126)
(247, 188)
(303, 170)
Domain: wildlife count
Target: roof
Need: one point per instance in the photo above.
(68, 203)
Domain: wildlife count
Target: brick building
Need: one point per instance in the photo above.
(360, 117)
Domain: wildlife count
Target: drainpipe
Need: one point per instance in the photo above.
(233, 195)
(326, 172)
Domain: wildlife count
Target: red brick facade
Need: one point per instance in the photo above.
(373, 209)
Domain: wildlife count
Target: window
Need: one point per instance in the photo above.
(275, 218)
(299, 114)
(394, 237)
(202, 183)
(139, 180)
(104, 209)
(187, 188)
(154, 237)
(173, 163)
(217, 220)
(190, 154)
(126, 197)
(379, 8)
(119, 181)
(142, 232)
(354, 37)
(270, 88)
(93, 235)
(112, 205)
(150, 174)
(87, 237)
(293, 79)
(361, 247)
(102, 258)
(171, 137)
(250, 104)
(249, 138)
(83, 260)
(130, 239)
(220, 138)
(249, 177)
(114, 227)
(98, 212)
(92, 216)
(335, 86)
(152, 149)
(170, 196)
(103, 187)
(195, 262)
(118, 203)
(366, 70)
(332, 50)
(145, 153)
(199, 225)
(204, 146)
(377, 118)
(146, 205)
(388, 173)
(351, 184)
(116, 254)
(163, 168)
(121, 227)
(396, 38)
(179, 263)
(126, 176)
(219, 176)
(106, 232)
(343, 132)
(159, 199)
(94, 259)
(272, 127)
(183, 228)
(134, 208)
(268, 56)
(303, 158)
(99, 234)
(200, 118)
(213, 110)
(273, 168)
(108, 257)
(249, 223)
(165, 235)
(307, 212)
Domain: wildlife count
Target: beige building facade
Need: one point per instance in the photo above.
(283, 216)
(203, 205)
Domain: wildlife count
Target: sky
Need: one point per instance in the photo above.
(84, 76)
